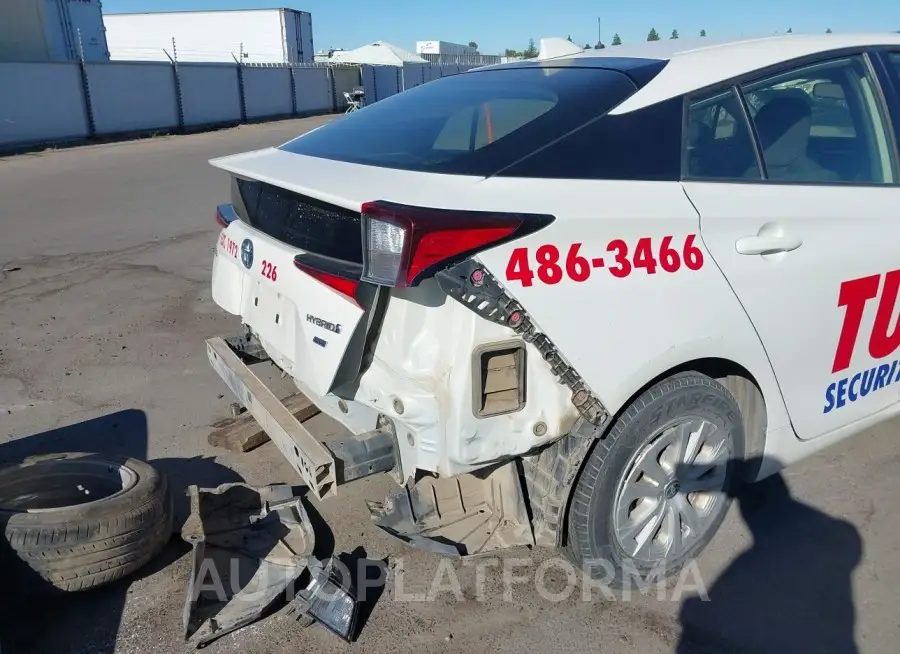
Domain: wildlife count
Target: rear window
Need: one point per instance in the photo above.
(472, 124)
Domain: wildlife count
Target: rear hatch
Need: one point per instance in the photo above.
(291, 265)
(386, 197)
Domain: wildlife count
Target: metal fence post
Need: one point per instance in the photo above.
(293, 89)
(179, 98)
(86, 88)
(240, 74)
(375, 84)
(332, 84)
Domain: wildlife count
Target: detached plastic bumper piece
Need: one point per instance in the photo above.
(329, 599)
(249, 546)
(460, 516)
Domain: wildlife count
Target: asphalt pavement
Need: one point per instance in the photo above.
(105, 305)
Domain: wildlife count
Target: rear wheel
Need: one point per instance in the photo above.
(655, 490)
(76, 521)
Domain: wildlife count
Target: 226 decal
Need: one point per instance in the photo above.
(269, 271)
(552, 266)
(883, 340)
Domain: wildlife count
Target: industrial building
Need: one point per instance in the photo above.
(252, 36)
(52, 30)
(444, 48)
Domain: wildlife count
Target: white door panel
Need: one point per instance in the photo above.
(817, 238)
(622, 330)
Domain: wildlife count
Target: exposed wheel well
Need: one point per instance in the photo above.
(739, 382)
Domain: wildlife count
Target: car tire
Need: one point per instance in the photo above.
(77, 521)
(615, 493)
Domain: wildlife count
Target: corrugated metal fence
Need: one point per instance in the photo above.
(462, 59)
(47, 103)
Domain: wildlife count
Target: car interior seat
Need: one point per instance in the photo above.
(783, 126)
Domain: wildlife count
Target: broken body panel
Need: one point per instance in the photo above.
(403, 353)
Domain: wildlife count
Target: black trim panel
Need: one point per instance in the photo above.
(298, 220)
(330, 265)
(640, 70)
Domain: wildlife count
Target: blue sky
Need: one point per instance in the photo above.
(499, 24)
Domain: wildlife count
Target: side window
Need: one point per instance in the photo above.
(822, 124)
(719, 144)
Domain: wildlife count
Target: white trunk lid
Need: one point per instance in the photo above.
(313, 332)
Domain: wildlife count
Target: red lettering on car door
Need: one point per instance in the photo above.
(853, 295)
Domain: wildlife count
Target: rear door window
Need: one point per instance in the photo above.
(822, 124)
(473, 124)
(719, 143)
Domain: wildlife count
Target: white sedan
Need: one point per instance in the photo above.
(574, 301)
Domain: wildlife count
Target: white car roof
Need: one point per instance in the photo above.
(699, 62)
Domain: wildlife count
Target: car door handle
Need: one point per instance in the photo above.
(767, 244)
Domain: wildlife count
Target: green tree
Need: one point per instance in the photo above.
(674, 34)
(569, 39)
(587, 46)
(653, 36)
(790, 30)
(510, 52)
(599, 46)
(472, 44)
(617, 40)
(531, 51)
(702, 32)
(828, 31)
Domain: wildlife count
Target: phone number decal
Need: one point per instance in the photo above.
(552, 266)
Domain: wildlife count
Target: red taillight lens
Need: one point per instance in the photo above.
(344, 282)
(403, 245)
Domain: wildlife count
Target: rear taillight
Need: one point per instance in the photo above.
(403, 245)
(341, 276)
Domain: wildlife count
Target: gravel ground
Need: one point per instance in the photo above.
(105, 304)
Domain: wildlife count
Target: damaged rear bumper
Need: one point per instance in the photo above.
(463, 515)
(321, 467)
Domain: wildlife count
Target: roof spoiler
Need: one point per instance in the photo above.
(553, 47)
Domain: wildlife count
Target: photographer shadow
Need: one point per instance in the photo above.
(791, 591)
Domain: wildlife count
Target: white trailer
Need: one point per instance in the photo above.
(52, 30)
(444, 48)
(257, 36)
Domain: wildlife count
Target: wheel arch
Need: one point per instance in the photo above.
(552, 473)
(746, 390)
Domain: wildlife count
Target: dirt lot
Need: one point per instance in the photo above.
(104, 309)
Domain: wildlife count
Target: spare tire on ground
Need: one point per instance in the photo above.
(76, 521)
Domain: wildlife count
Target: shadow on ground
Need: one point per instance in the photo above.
(92, 618)
(790, 591)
